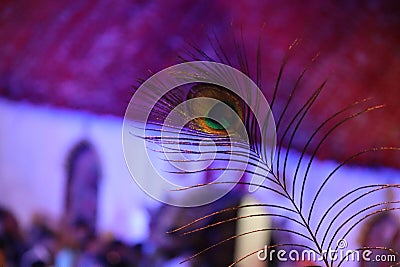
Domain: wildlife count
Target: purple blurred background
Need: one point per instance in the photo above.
(67, 69)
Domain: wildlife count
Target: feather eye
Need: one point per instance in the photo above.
(231, 100)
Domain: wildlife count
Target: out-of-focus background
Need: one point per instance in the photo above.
(66, 76)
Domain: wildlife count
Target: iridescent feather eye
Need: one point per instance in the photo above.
(219, 118)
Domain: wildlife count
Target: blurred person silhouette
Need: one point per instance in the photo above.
(83, 175)
(12, 245)
(383, 231)
(42, 241)
(79, 224)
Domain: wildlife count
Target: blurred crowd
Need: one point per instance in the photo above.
(77, 244)
(44, 245)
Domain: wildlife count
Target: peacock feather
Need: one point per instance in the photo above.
(204, 116)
